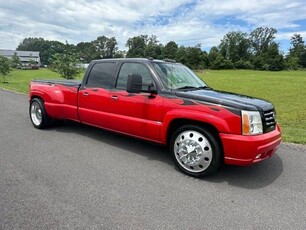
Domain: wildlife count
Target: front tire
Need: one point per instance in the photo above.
(38, 115)
(195, 151)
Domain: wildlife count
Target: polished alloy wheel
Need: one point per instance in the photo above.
(36, 114)
(193, 151)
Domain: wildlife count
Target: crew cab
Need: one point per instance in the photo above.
(163, 102)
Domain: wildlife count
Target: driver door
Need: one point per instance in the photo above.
(137, 114)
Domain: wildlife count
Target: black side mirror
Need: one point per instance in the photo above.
(134, 85)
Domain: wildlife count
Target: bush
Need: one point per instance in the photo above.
(241, 64)
(5, 67)
(65, 64)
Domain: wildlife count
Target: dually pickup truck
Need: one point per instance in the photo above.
(163, 102)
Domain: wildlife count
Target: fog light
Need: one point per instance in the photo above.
(258, 156)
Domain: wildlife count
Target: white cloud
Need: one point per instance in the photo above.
(185, 21)
(288, 35)
(273, 13)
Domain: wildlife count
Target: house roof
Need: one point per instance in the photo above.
(19, 53)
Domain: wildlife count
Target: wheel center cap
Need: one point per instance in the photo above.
(190, 149)
(190, 152)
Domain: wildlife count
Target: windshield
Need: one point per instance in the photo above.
(177, 76)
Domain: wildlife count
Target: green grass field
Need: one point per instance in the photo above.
(285, 89)
(19, 79)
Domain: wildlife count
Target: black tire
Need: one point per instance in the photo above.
(38, 114)
(195, 151)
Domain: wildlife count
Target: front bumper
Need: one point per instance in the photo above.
(246, 150)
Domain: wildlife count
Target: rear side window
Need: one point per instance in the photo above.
(102, 75)
(133, 68)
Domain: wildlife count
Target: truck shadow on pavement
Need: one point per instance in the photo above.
(250, 177)
(147, 149)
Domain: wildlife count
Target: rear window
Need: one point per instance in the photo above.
(102, 75)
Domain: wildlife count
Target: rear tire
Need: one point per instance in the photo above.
(38, 115)
(195, 151)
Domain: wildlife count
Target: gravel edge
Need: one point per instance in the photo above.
(297, 147)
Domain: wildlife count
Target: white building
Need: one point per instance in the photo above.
(28, 59)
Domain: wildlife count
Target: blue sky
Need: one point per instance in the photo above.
(186, 22)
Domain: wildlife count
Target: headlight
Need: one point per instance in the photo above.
(251, 122)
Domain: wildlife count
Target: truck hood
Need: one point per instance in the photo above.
(227, 99)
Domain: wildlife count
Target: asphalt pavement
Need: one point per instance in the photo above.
(78, 177)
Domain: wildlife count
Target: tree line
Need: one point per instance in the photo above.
(237, 50)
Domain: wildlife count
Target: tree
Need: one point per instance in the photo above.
(266, 52)
(105, 46)
(45, 48)
(143, 46)
(261, 38)
(65, 64)
(170, 50)
(274, 59)
(32, 63)
(235, 47)
(302, 58)
(137, 46)
(193, 56)
(5, 67)
(153, 49)
(111, 47)
(215, 58)
(297, 53)
(87, 52)
(15, 61)
(297, 45)
(181, 54)
(271, 60)
(205, 60)
(50, 48)
(120, 54)
(31, 44)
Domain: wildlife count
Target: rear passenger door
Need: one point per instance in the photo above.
(93, 96)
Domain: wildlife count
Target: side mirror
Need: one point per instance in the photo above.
(135, 85)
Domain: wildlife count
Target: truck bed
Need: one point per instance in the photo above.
(59, 96)
(71, 83)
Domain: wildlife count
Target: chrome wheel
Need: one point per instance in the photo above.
(36, 114)
(193, 151)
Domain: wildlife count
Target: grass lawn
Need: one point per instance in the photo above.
(285, 89)
(19, 79)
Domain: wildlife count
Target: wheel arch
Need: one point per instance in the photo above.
(179, 122)
(36, 96)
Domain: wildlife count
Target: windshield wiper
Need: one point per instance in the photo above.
(204, 87)
(187, 87)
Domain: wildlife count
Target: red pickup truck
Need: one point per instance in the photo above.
(163, 102)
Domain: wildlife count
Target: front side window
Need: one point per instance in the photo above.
(101, 75)
(133, 68)
(177, 76)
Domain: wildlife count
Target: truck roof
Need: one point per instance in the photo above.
(134, 59)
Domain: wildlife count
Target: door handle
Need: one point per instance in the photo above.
(85, 94)
(114, 97)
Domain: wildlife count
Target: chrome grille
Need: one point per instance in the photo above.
(269, 120)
